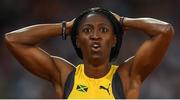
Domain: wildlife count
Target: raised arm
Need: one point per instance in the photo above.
(23, 45)
(152, 51)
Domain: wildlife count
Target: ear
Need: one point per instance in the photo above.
(114, 41)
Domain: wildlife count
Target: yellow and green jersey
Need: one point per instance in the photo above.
(80, 86)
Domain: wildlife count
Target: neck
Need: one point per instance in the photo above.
(96, 70)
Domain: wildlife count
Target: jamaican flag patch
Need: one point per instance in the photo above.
(82, 88)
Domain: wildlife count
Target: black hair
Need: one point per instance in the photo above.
(118, 30)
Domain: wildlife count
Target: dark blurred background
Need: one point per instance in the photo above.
(16, 82)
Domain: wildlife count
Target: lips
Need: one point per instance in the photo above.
(95, 46)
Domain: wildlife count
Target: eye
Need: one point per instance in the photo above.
(86, 30)
(104, 29)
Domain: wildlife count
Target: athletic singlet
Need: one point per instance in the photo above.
(80, 86)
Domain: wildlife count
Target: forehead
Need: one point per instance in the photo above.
(95, 18)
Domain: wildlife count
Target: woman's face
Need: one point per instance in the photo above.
(96, 38)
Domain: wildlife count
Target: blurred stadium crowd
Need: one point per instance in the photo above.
(16, 82)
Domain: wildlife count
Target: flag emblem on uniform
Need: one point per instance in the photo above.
(82, 88)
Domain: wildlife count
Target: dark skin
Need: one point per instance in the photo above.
(94, 29)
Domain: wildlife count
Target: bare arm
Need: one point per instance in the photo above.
(151, 52)
(23, 44)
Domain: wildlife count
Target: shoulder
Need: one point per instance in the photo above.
(124, 73)
(130, 83)
(126, 66)
(61, 62)
(64, 67)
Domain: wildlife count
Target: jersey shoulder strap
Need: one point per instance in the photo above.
(69, 84)
(117, 87)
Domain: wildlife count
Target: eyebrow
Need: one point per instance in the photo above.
(90, 25)
(101, 24)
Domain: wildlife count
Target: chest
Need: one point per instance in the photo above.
(92, 88)
(79, 86)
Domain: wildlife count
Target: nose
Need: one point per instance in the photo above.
(95, 36)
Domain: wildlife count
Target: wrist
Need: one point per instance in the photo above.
(64, 30)
(68, 28)
(121, 21)
(124, 23)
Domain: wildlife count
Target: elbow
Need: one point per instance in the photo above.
(168, 30)
(9, 38)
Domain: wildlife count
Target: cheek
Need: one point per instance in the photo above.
(109, 42)
(83, 42)
(109, 46)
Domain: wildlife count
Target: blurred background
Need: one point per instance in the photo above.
(16, 82)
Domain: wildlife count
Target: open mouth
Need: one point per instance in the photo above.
(95, 46)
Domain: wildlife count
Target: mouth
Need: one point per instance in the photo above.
(95, 46)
